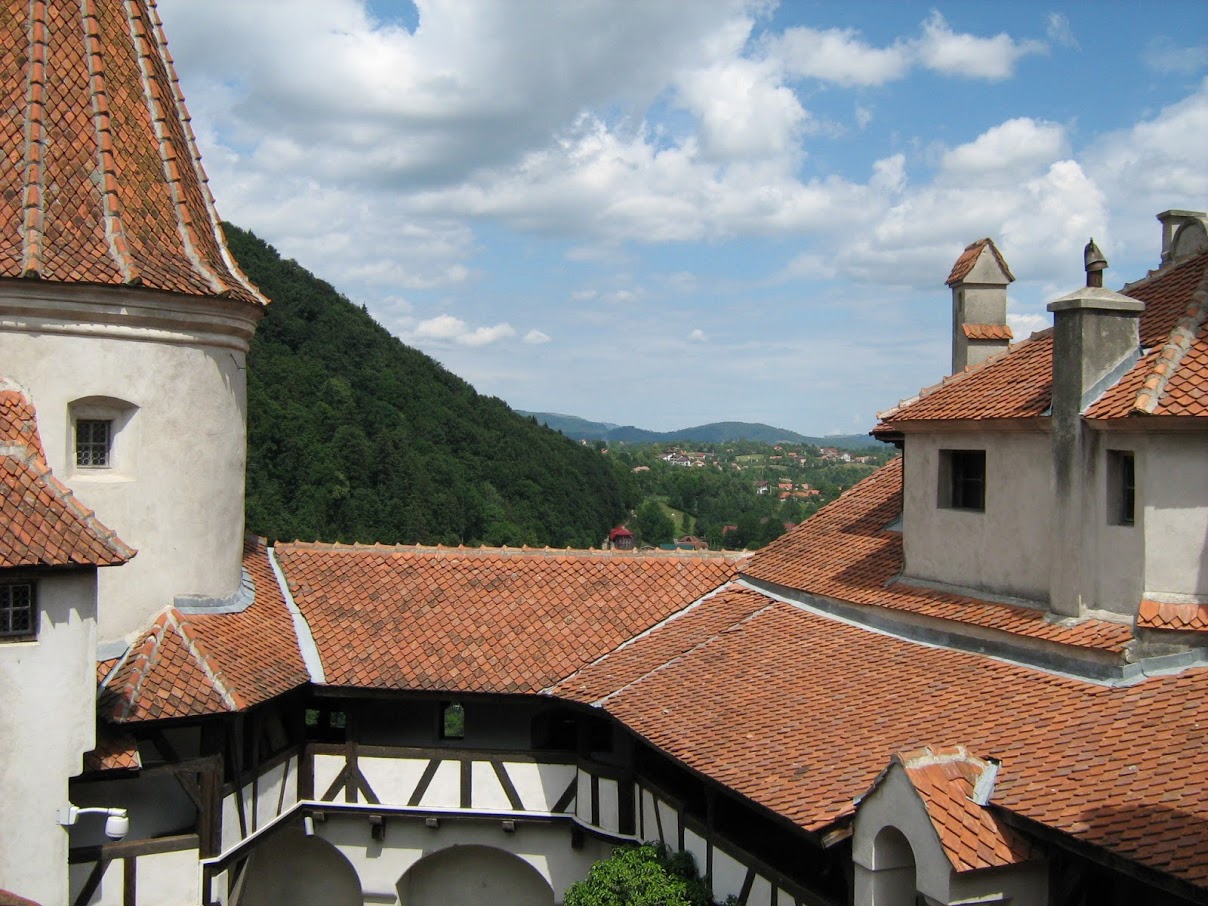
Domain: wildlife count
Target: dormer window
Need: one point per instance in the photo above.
(93, 439)
(962, 480)
(17, 616)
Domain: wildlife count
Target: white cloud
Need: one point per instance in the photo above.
(536, 337)
(957, 54)
(698, 336)
(1024, 325)
(450, 329)
(1165, 56)
(839, 55)
(1004, 152)
(1057, 29)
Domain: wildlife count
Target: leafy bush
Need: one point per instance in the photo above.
(648, 875)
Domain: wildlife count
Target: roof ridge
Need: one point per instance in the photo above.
(33, 221)
(1177, 344)
(1162, 272)
(525, 551)
(141, 659)
(106, 535)
(115, 232)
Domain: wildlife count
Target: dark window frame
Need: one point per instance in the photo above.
(452, 720)
(1121, 488)
(27, 629)
(94, 443)
(962, 480)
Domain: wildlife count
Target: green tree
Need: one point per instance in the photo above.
(652, 525)
(646, 875)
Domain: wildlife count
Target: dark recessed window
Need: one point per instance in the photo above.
(962, 480)
(452, 721)
(1121, 487)
(92, 443)
(17, 616)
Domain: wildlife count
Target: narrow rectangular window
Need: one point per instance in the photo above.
(93, 437)
(962, 479)
(1121, 487)
(17, 611)
(452, 721)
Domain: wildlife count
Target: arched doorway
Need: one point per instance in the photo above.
(473, 876)
(895, 881)
(292, 869)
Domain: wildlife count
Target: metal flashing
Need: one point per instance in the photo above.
(236, 602)
(306, 640)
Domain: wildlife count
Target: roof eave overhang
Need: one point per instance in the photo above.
(1024, 424)
(1144, 423)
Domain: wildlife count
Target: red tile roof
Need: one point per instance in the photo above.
(801, 714)
(846, 552)
(968, 258)
(115, 750)
(102, 182)
(1185, 617)
(972, 836)
(41, 521)
(192, 664)
(1170, 379)
(987, 332)
(482, 620)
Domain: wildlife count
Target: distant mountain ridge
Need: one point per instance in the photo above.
(714, 433)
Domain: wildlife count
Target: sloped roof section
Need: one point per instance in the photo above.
(41, 521)
(846, 552)
(968, 258)
(1180, 617)
(802, 713)
(103, 182)
(945, 778)
(1171, 378)
(482, 620)
(192, 664)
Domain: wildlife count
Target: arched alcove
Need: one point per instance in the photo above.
(473, 876)
(894, 879)
(292, 869)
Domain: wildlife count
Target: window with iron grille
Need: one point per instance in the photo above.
(1121, 487)
(17, 617)
(92, 443)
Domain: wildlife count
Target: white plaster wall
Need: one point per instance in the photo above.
(445, 788)
(1173, 490)
(391, 779)
(485, 789)
(670, 824)
(610, 806)
(583, 797)
(1116, 553)
(327, 768)
(270, 790)
(178, 498)
(380, 865)
(1004, 550)
(539, 785)
(47, 723)
(728, 876)
(695, 844)
(230, 822)
(169, 879)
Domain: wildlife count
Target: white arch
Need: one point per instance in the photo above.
(473, 875)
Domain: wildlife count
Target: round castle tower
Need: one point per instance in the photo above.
(122, 312)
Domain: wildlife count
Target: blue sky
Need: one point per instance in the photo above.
(668, 213)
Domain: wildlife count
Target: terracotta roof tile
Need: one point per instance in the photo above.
(803, 712)
(1185, 617)
(103, 183)
(41, 521)
(971, 835)
(968, 258)
(116, 750)
(191, 664)
(987, 332)
(483, 620)
(846, 552)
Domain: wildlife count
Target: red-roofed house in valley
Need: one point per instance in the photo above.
(979, 676)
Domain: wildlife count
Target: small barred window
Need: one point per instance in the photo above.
(16, 611)
(93, 437)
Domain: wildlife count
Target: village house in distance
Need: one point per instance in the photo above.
(978, 677)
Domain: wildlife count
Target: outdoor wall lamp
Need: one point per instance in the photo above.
(117, 822)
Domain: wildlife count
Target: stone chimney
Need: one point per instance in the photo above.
(1183, 233)
(979, 281)
(1096, 339)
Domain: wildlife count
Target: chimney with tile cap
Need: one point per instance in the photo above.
(1096, 338)
(979, 281)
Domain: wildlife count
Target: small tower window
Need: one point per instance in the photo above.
(93, 439)
(452, 721)
(1121, 487)
(17, 611)
(962, 480)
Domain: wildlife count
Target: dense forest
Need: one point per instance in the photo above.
(353, 436)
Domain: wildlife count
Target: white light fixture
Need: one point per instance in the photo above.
(308, 826)
(117, 822)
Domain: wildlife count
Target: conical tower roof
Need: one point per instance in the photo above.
(101, 182)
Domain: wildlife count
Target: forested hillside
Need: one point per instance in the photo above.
(353, 436)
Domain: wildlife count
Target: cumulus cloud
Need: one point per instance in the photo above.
(955, 53)
(1004, 152)
(450, 329)
(840, 56)
(536, 337)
